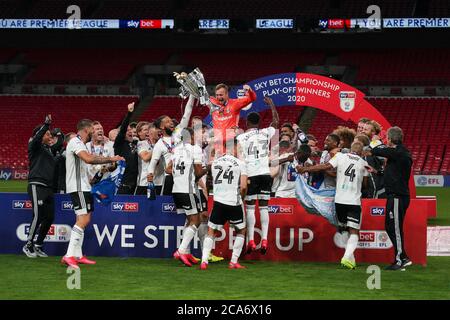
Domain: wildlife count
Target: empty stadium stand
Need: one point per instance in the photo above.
(20, 114)
(425, 122)
(238, 66)
(87, 66)
(399, 67)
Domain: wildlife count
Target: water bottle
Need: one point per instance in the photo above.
(151, 194)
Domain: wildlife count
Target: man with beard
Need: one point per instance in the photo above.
(99, 146)
(79, 188)
(330, 149)
(163, 149)
(126, 146)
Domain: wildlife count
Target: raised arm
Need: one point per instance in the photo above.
(187, 113)
(124, 126)
(36, 141)
(249, 97)
(275, 118)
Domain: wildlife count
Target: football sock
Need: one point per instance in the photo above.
(75, 237)
(79, 247)
(351, 246)
(250, 211)
(237, 247)
(264, 215)
(202, 232)
(207, 247)
(188, 235)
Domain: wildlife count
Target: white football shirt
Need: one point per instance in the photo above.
(143, 166)
(103, 150)
(226, 175)
(254, 145)
(183, 159)
(350, 173)
(200, 154)
(77, 176)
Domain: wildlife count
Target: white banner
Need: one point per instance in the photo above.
(429, 181)
(274, 23)
(58, 24)
(214, 24)
(416, 23)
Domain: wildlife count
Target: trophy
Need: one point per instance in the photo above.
(193, 83)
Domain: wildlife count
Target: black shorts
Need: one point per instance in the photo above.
(202, 200)
(158, 190)
(349, 215)
(186, 203)
(259, 187)
(167, 185)
(222, 213)
(83, 202)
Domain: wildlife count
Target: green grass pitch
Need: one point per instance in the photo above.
(140, 278)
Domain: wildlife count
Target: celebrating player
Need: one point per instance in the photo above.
(185, 165)
(351, 174)
(229, 186)
(164, 147)
(254, 148)
(79, 188)
(225, 114)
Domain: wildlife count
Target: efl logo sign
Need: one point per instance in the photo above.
(377, 211)
(66, 205)
(281, 209)
(22, 204)
(429, 181)
(125, 206)
(169, 208)
(347, 100)
(56, 233)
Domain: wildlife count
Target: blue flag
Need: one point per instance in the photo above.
(318, 202)
(105, 190)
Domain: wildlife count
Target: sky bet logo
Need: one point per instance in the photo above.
(168, 207)
(376, 211)
(323, 23)
(281, 209)
(133, 23)
(21, 204)
(125, 206)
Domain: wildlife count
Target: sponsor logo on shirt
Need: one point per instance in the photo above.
(281, 209)
(22, 204)
(125, 206)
